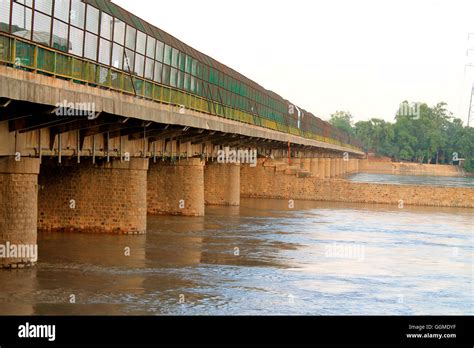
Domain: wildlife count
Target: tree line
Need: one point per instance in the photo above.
(419, 133)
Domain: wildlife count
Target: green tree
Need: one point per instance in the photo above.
(343, 121)
(431, 135)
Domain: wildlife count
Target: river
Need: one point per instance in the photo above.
(260, 258)
(413, 180)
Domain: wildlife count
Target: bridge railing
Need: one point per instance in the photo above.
(24, 54)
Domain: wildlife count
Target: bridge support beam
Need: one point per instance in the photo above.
(327, 168)
(352, 166)
(176, 188)
(105, 198)
(322, 168)
(333, 166)
(222, 184)
(315, 166)
(18, 211)
(296, 162)
(306, 164)
(339, 167)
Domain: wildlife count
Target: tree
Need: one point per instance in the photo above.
(432, 135)
(343, 121)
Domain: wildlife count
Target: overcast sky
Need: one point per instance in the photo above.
(362, 56)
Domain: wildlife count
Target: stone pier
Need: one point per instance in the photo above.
(315, 166)
(296, 162)
(327, 167)
(18, 211)
(322, 168)
(333, 166)
(306, 164)
(176, 188)
(222, 184)
(108, 197)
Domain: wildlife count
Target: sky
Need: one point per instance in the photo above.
(361, 56)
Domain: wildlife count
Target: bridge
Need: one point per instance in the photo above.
(105, 118)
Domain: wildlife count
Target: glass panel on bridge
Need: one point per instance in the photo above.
(160, 49)
(139, 64)
(193, 84)
(78, 11)
(28, 3)
(104, 51)
(167, 55)
(119, 32)
(141, 42)
(61, 10)
(174, 58)
(60, 34)
(149, 65)
(166, 74)
(180, 79)
(42, 29)
(21, 21)
(187, 82)
(174, 77)
(76, 41)
(129, 61)
(150, 47)
(5, 15)
(92, 20)
(131, 37)
(90, 50)
(44, 6)
(117, 56)
(106, 25)
(158, 72)
(182, 61)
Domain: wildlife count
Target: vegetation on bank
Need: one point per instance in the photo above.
(425, 135)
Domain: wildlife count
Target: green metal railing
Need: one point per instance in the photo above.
(24, 54)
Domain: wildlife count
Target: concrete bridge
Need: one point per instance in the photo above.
(81, 152)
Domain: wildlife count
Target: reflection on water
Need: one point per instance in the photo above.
(260, 258)
(413, 179)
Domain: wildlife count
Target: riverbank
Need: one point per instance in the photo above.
(375, 167)
(273, 183)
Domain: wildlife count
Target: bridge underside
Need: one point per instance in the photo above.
(121, 123)
(131, 157)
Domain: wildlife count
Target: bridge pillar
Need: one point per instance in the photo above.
(327, 168)
(314, 167)
(296, 162)
(352, 165)
(222, 184)
(306, 164)
(18, 211)
(108, 197)
(176, 188)
(333, 172)
(322, 168)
